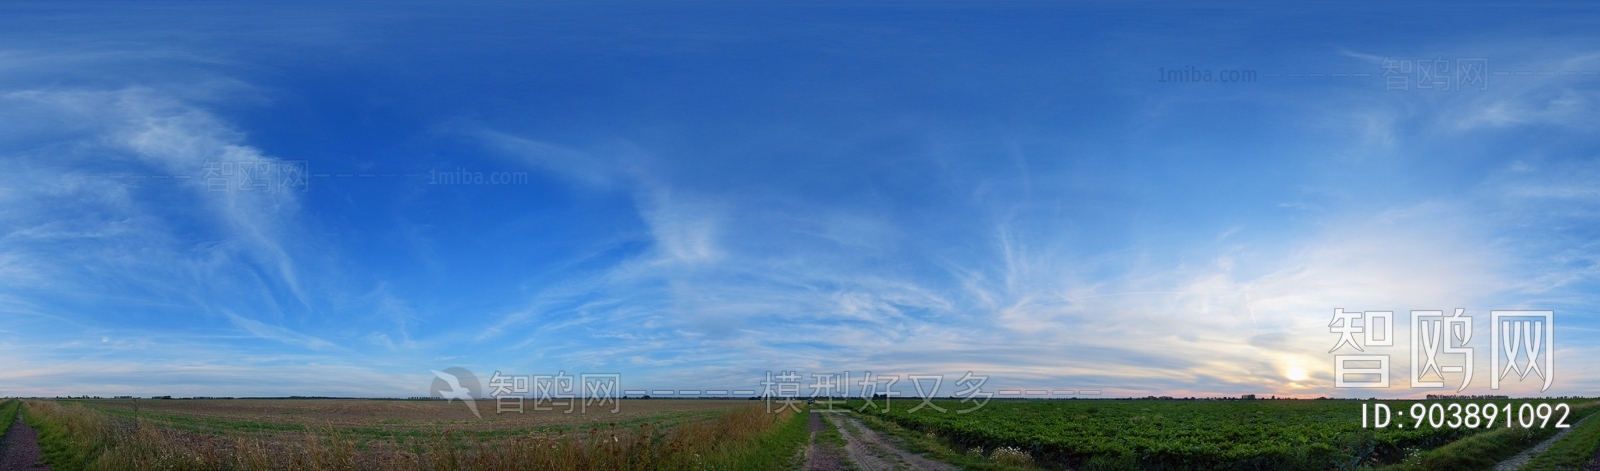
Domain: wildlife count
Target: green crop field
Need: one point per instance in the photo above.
(1188, 434)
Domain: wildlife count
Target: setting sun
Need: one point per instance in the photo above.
(1296, 373)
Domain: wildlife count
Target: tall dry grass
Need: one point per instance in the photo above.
(83, 438)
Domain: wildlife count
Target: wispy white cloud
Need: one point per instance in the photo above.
(279, 334)
(1578, 109)
(167, 255)
(1025, 308)
(594, 170)
(1036, 238)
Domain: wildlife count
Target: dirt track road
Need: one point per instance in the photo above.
(864, 448)
(20, 449)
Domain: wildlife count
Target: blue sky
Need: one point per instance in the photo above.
(704, 192)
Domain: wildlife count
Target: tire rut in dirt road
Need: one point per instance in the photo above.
(869, 451)
(20, 449)
(823, 456)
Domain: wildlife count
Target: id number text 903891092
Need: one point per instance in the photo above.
(1468, 415)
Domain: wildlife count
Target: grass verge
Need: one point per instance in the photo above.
(8, 414)
(1484, 450)
(68, 437)
(1572, 452)
(775, 450)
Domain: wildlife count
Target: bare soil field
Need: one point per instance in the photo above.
(314, 434)
(401, 415)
